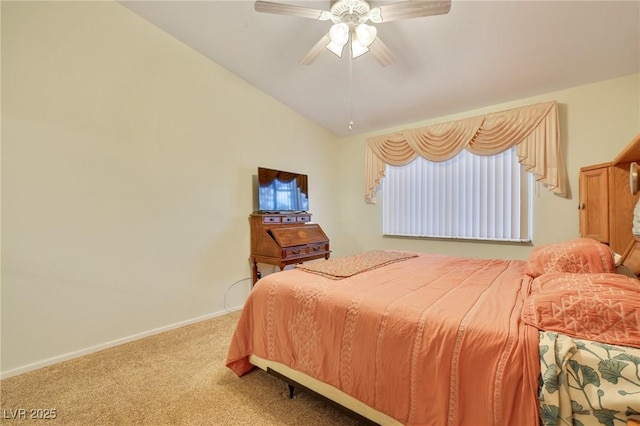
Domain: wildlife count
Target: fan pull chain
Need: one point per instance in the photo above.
(351, 91)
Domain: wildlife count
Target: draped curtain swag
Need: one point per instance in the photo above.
(534, 129)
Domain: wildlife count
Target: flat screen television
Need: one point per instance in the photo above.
(282, 192)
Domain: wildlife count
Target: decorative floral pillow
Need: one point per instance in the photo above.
(582, 255)
(599, 307)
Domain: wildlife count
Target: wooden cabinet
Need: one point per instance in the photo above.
(594, 203)
(283, 239)
(606, 202)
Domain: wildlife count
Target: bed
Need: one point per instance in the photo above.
(426, 339)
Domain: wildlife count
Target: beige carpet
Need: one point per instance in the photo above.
(177, 378)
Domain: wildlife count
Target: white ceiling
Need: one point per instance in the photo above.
(481, 53)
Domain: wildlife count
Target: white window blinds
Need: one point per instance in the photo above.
(467, 197)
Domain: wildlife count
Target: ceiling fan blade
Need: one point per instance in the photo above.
(414, 9)
(381, 52)
(287, 9)
(316, 50)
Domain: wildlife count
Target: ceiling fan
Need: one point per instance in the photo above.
(350, 19)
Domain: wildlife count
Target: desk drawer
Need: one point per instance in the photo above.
(270, 219)
(295, 251)
(316, 248)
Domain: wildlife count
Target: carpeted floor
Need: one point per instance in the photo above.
(176, 378)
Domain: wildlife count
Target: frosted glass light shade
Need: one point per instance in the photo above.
(357, 49)
(366, 34)
(339, 35)
(336, 49)
(363, 36)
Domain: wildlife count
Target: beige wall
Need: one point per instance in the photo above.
(597, 121)
(127, 164)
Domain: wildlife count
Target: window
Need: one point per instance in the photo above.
(467, 197)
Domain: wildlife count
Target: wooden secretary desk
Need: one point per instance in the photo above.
(283, 239)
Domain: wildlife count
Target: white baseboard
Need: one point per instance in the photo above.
(106, 345)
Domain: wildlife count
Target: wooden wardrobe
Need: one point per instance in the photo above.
(606, 204)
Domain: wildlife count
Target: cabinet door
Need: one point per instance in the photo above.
(594, 204)
(621, 206)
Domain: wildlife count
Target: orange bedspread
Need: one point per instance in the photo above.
(432, 340)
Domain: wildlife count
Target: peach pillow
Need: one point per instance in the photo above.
(582, 255)
(600, 307)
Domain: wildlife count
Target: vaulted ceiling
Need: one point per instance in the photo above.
(481, 53)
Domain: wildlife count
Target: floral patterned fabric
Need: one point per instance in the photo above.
(587, 383)
(343, 267)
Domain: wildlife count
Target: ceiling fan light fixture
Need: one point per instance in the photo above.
(366, 34)
(339, 36)
(347, 17)
(336, 49)
(357, 49)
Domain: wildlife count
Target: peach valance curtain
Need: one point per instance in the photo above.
(534, 129)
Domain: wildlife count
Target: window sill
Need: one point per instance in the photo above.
(524, 242)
